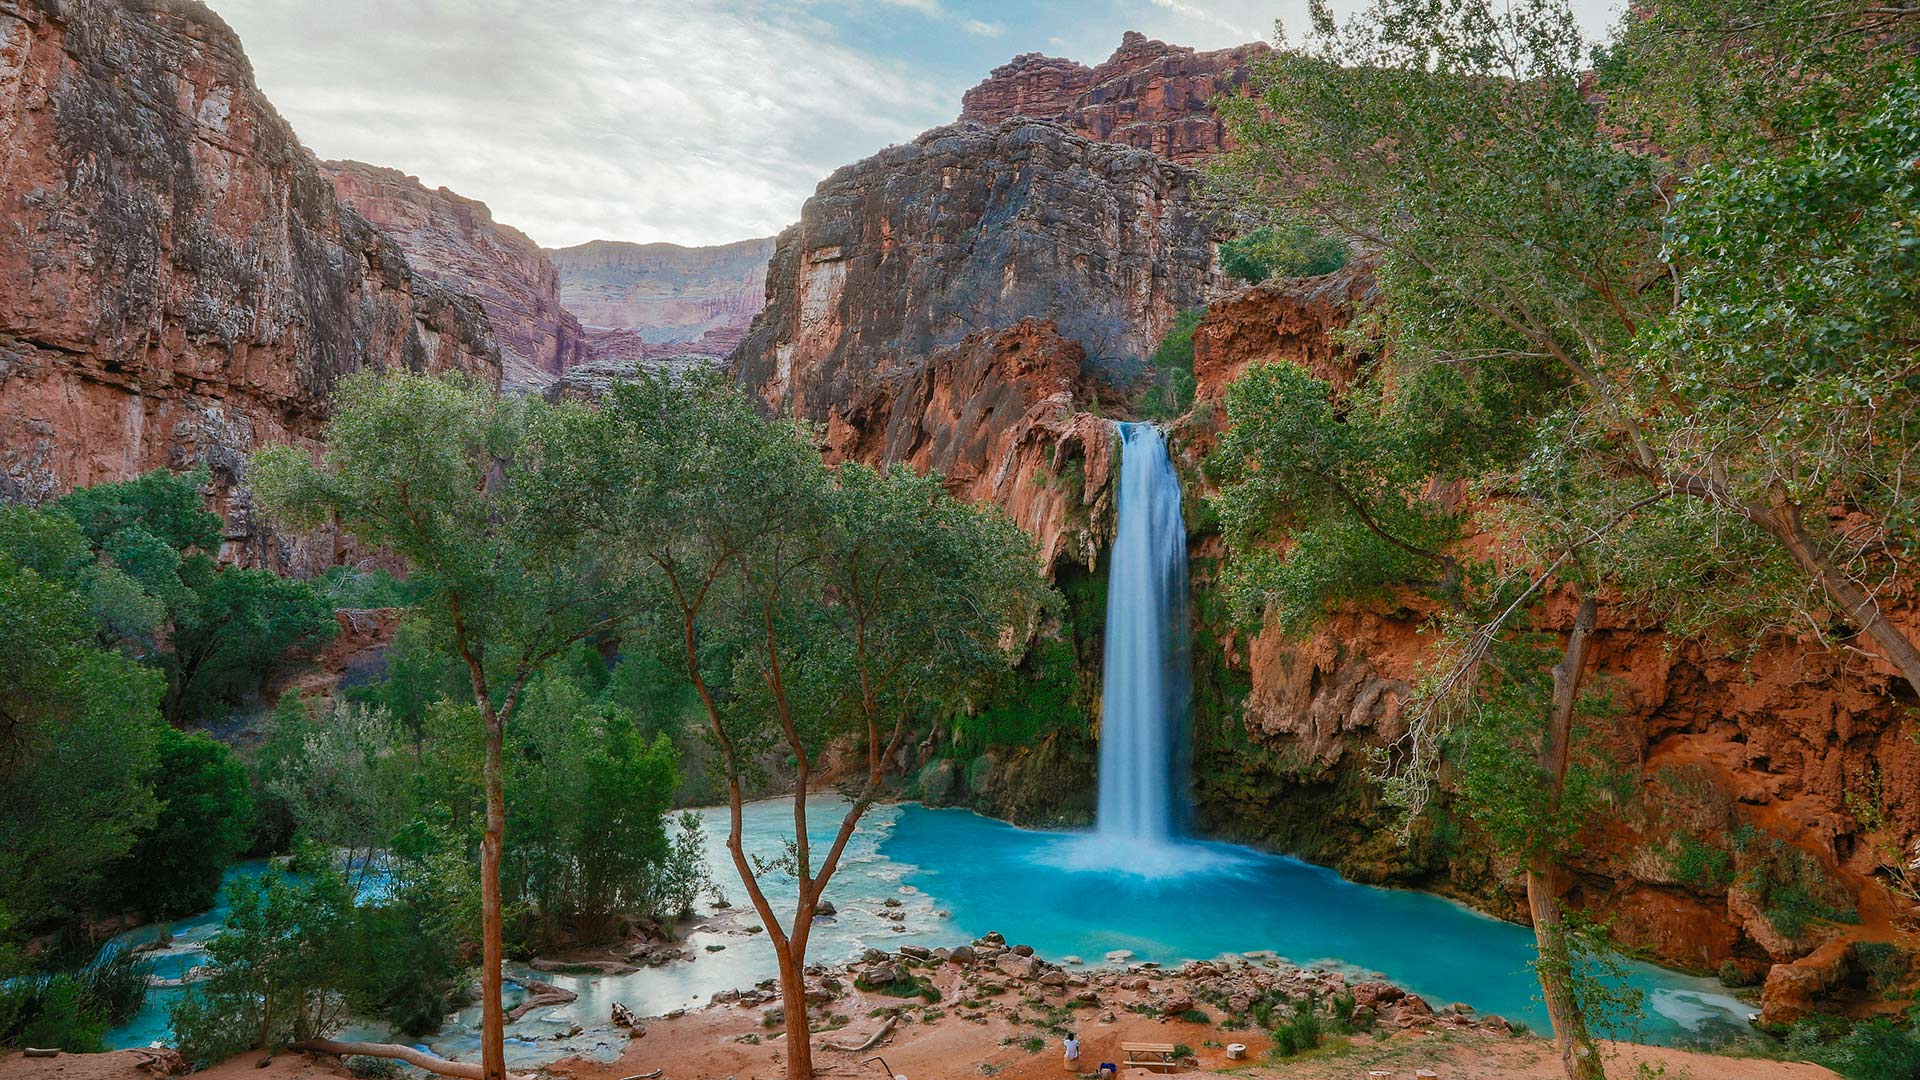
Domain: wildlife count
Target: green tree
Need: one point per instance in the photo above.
(811, 605)
(1284, 251)
(205, 809)
(462, 484)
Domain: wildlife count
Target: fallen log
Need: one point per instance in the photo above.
(654, 1075)
(40, 1052)
(419, 1059)
(872, 1041)
(539, 996)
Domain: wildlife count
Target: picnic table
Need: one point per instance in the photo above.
(1149, 1055)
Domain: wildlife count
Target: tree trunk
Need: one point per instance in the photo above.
(419, 1059)
(493, 1028)
(1578, 1055)
(793, 998)
(1782, 521)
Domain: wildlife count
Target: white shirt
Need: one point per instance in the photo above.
(1073, 1049)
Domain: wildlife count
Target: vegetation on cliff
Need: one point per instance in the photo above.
(1649, 313)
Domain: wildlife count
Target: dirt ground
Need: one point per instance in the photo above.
(702, 1046)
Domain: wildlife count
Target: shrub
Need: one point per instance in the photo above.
(1284, 251)
(206, 806)
(48, 1011)
(1172, 390)
(114, 986)
(1299, 1032)
(1699, 865)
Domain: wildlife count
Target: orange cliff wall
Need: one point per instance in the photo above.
(178, 282)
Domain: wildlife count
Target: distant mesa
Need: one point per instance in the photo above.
(655, 300)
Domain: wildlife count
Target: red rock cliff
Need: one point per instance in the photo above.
(178, 282)
(454, 240)
(1148, 94)
(971, 229)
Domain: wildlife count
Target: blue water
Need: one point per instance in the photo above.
(958, 875)
(1146, 675)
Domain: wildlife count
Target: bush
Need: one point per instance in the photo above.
(274, 970)
(206, 806)
(1700, 866)
(1872, 1050)
(49, 1011)
(1171, 392)
(1285, 251)
(114, 986)
(1300, 1032)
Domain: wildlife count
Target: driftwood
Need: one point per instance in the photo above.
(539, 996)
(419, 1059)
(872, 1041)
(35, 1051)
(654, 1075)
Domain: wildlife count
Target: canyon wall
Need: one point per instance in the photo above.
(971, 229)
(1148, 94)
(178, 282)
(454, 240)
(654, 300)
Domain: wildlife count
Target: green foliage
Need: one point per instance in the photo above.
(1698, 865)
(1299, 1030)
(1877, 1049)
(205, 810)
(1171, 390)
(1338, 480)
(236, 625)
(1792, 889)
(274, 971)
(48, 1011)
(1282, 251)
(1045, 697)
(346, 587)
(72, 1010)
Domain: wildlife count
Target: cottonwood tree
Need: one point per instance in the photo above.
(1721, 366)
(1329, 499)
(457, 481)
(1645, 238)
(809, 607)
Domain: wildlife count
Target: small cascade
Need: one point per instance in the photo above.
(1144, 702)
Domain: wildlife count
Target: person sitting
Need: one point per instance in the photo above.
(1072, 1048)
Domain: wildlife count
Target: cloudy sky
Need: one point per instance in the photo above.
(693, 121)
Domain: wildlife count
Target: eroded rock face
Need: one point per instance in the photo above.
(968, 229)
(1148, 94)
(647, 300)
(1799, 743)
(996, 414)
(454, 240)
(178, 282)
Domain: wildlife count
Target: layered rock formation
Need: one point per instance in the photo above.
(178, 282)
(455, 240)
(971, 229)
(1148, 94)
(655, 300)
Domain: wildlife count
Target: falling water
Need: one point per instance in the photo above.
(1143, 715)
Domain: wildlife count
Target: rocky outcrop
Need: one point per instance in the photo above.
(996, 414)
(969, 229)
(1148, 94)
(178, 282)
(454, 240)
(642, 300)
(591, 381)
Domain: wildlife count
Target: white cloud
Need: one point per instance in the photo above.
(638, 119)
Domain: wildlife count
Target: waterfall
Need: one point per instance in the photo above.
(1143, 712)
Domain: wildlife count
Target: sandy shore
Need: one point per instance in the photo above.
(1002, 1015)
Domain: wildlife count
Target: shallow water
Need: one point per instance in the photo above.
(958, 875)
